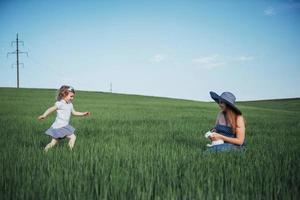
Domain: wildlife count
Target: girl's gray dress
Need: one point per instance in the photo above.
(61, 128)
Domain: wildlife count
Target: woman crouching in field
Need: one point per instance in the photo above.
(229, 130)
(64, 107)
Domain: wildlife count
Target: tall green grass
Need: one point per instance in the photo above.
(137, 147)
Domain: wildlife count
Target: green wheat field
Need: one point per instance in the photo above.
(138, 147)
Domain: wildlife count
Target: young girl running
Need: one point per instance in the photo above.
(64, 108)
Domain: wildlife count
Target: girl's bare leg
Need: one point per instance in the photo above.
(51, 144)
(72, 139)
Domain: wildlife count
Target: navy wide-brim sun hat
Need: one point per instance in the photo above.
(228, 98)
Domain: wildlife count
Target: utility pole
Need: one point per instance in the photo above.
(17, 52)
(110, 87)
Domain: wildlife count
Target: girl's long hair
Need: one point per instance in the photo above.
(232, 118)
(63, 91)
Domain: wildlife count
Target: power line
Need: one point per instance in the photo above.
(17, 52)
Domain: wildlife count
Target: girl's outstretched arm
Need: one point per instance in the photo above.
(75, 113)
(47, 112)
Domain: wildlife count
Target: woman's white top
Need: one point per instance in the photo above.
(63, 116)
(222, 119)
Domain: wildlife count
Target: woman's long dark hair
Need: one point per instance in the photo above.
(232, 118)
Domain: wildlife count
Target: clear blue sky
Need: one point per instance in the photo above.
(180, 49)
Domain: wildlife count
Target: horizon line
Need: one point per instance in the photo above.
(133, 94)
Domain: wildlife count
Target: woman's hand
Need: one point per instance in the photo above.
(216, 136)
(41, 117)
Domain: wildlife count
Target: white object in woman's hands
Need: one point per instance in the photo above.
(215, 142)
(208, 134)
